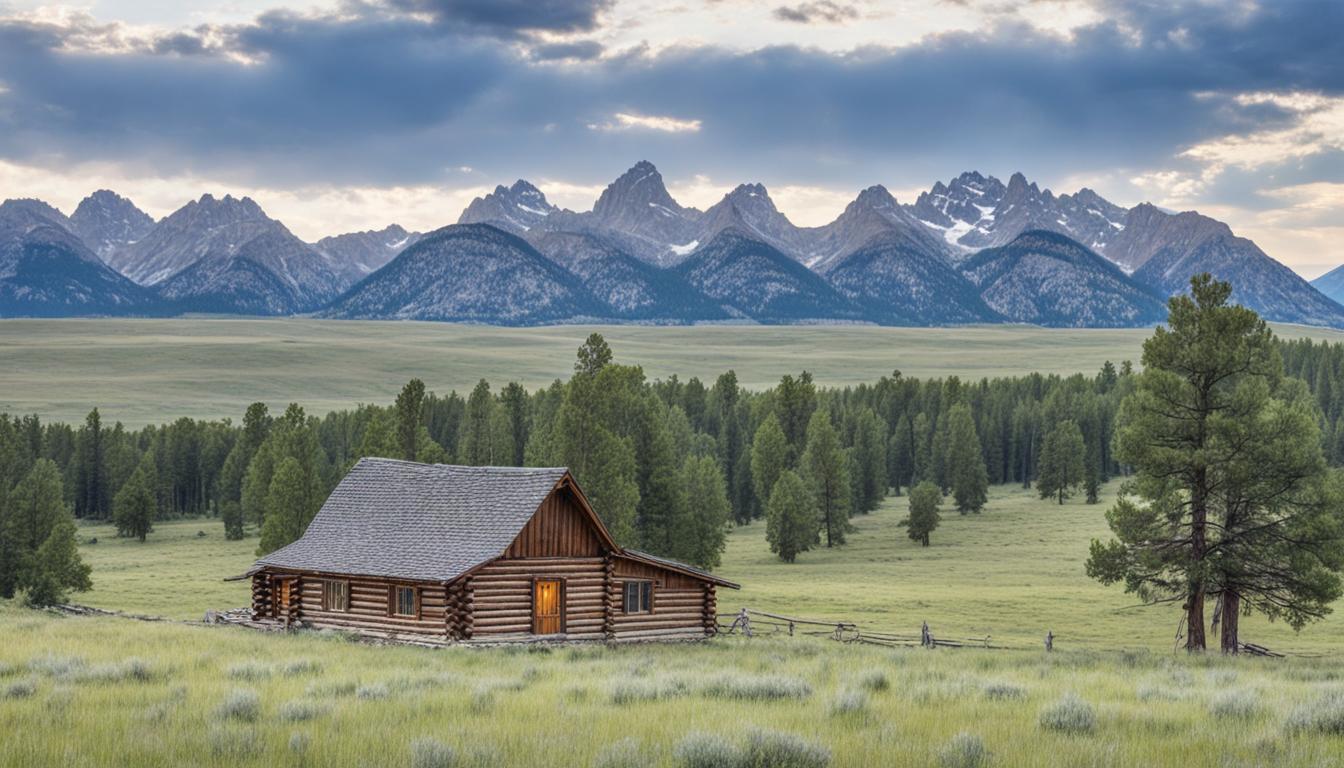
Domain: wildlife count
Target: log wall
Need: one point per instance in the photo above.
(502, 596)
(369, 601)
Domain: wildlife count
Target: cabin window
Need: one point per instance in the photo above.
(638, 596)
(335, 596)
(405, 601)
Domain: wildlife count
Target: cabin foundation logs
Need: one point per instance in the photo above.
(613, 597)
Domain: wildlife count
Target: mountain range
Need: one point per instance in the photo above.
(970, 250)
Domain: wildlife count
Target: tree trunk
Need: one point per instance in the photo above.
(1231, 613)
(1194, 619)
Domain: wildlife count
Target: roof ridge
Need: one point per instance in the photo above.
(464, 467)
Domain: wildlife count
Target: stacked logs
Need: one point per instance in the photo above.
(711, 610)
(295, 602)
(502, 596)
(261, 597)
(613, 601)
(454, 611)
(468, 611)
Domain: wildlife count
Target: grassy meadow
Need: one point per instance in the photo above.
(109, 691)
(153, 371)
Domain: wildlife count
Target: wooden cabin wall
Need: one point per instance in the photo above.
(560, 528)
(369, 607)
(680, 603)
(501, 596)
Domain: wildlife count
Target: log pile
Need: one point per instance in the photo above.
(261, 597)
(613, 601)
(709, 616)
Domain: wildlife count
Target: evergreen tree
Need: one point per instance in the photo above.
(966, 464)
(42, 532)
(135, 507)
(380, 438)
(924, 516)
(1207, 371)
(231, 514)
(513, 402)
(769, 457)
(870, 461)
(791, 522)
(1092, 474)
(706, 529)
(92, 492)
(826, 471)
(901, 454)
(1062, 466)
(922, 465)
(480, 429)
(292, 502)
(594, 355)
(795, 401)
(410, 414)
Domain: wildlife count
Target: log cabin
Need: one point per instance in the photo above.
(432, 552)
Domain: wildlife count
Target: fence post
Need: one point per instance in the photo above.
(1049, 641)
(925, 639)
(746, 622)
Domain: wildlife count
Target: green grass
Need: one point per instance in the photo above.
(107, 691)
(154, 371)
(1011, 574)
(102, 691)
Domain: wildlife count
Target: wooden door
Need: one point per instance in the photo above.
(548, 607)
(282, 597)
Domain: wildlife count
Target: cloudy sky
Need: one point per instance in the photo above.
(339, 115)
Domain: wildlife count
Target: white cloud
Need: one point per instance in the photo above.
(1318, 127)
(625, 121)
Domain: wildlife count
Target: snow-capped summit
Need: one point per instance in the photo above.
(108, 222)
(517, 208)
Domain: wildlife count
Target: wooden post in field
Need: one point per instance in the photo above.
(746, 622)
(1049, 641)
(925, 637)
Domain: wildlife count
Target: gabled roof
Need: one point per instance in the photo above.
(420, 522)
(673, 565)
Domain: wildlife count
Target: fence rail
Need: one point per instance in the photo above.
(749, 622)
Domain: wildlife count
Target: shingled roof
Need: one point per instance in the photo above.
(421, 522)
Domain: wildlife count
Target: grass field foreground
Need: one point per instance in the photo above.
(105, 691)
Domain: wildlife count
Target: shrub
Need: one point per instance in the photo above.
(630, 691)
(1070, 714)
(57, 666)
(301, 667)
(1324, 715)
(132, 669)
(301, 710)
(758, 688)
(965, 750)
(875, 681)
(847, 702)
(7, 669)
(706, 750)
(233, 745)
(20, 689)
(772, 749)
(1001, 690)
(1241, 704)
(372, 692)
(625, 753)
(482, 699)
(321, 689)
(299, 742)
(432, 753)
(250, 671)
(1158, 692)
(241, 704)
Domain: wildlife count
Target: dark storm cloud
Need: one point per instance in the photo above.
(392, 99)
(821, 10)
(581, 49)
(512, 16)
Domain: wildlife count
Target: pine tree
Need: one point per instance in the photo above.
(594, 355)
(826, 471)
(769, 457)
(706, 529)
(92, 492)
(870, 461)
(1206, 377)
(924, 516)
(380, 438)
(479, 430)
(513, 403)
(410, 414)
(231, 514)
(291, 503)
(135, 507)
(791, 522)
(966, 464)
(1062, 465)
(795, 401)
(42, 533)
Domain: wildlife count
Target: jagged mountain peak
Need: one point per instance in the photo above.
(641, 184)
(34, 211)
(107, 222)
(517, 208)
